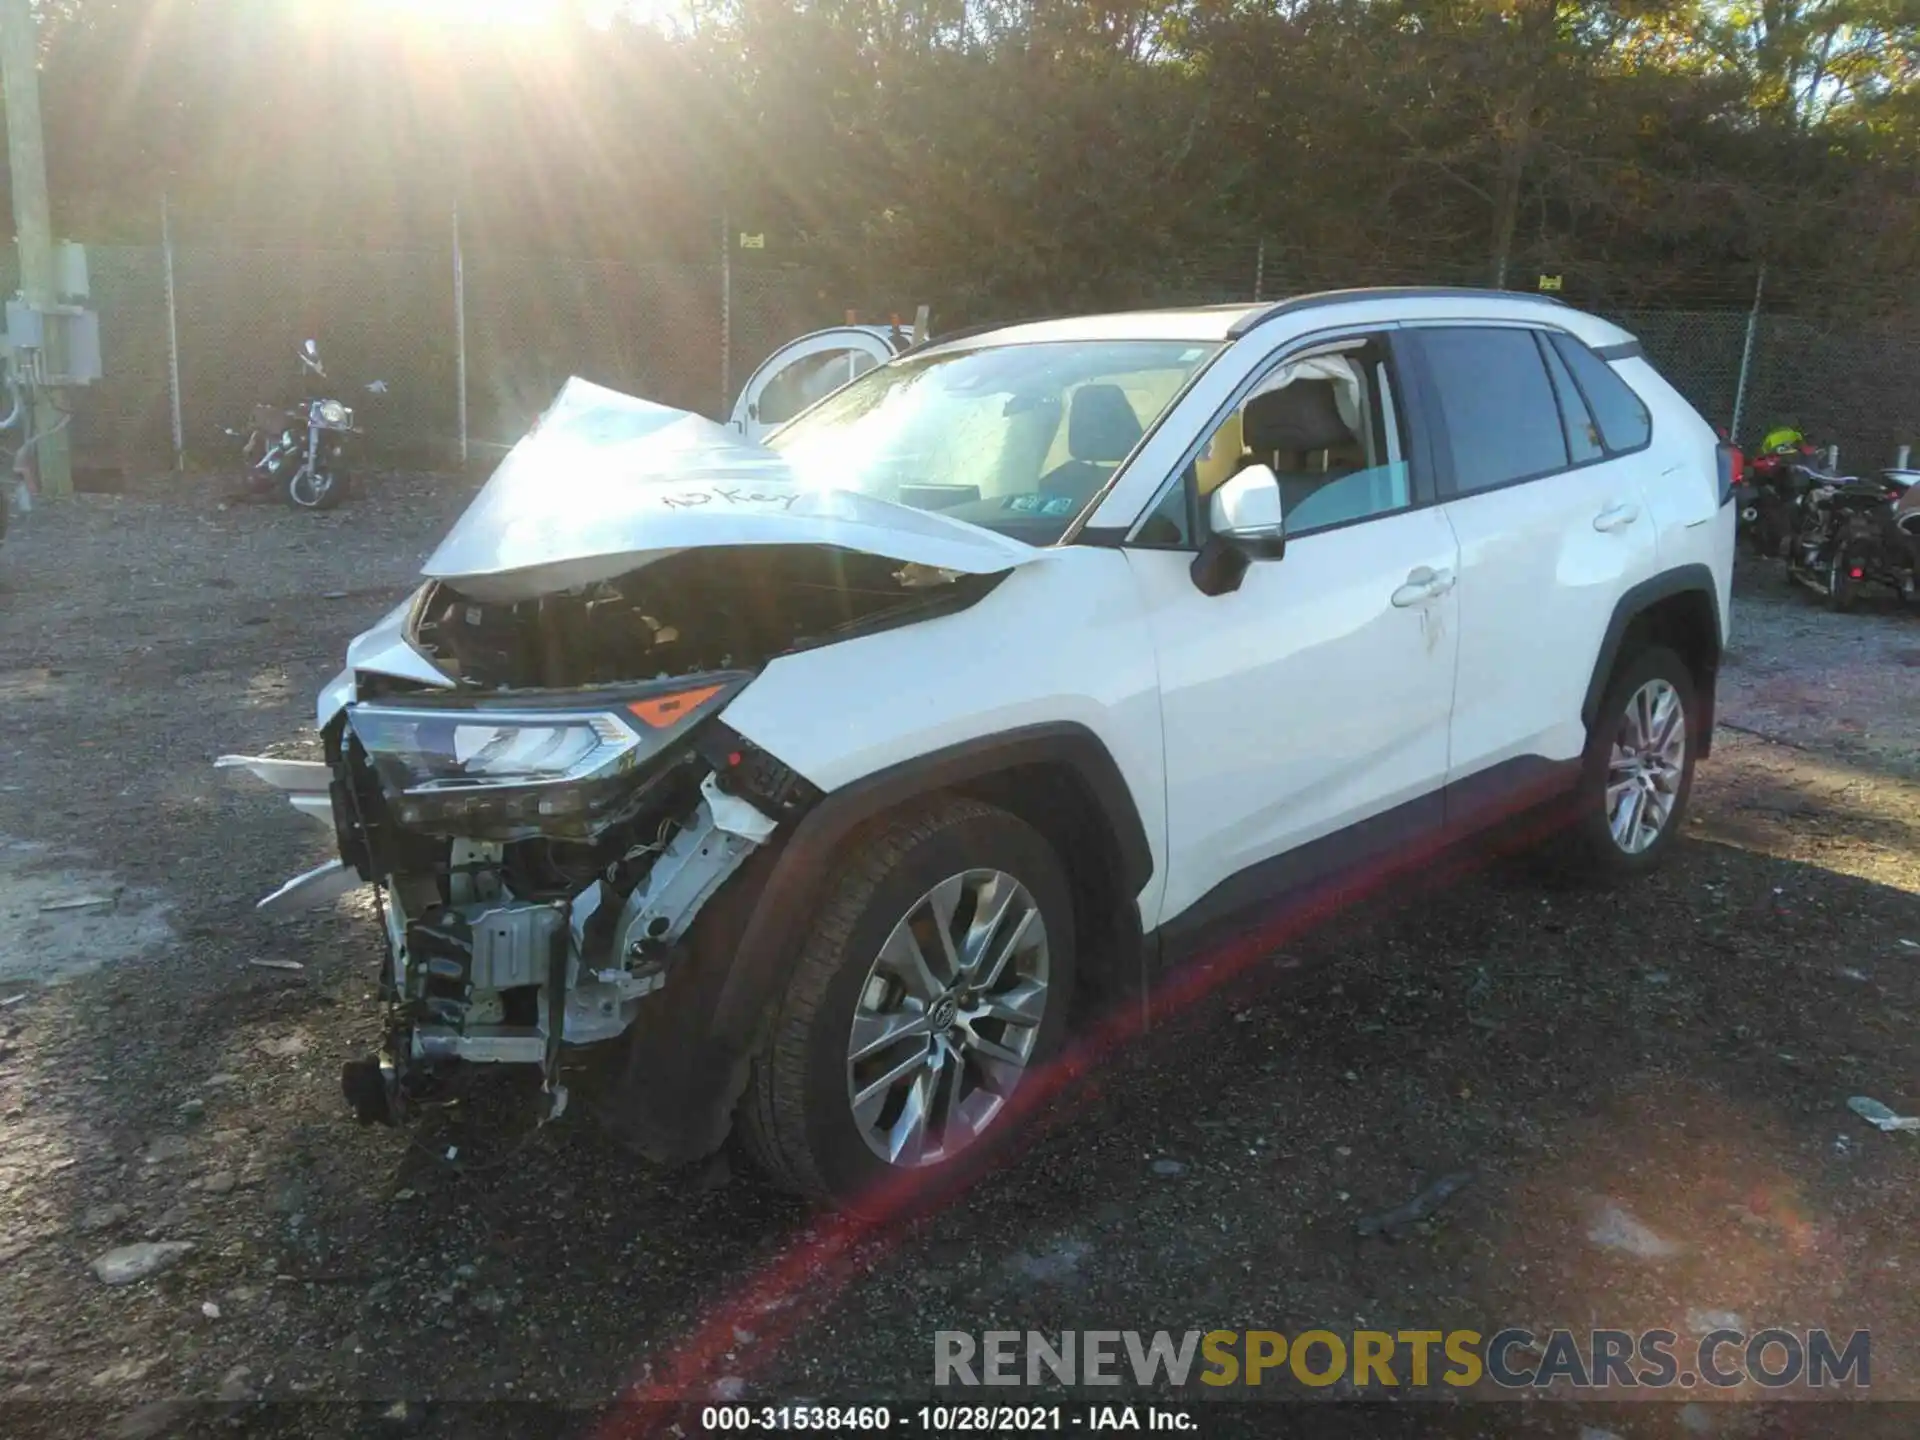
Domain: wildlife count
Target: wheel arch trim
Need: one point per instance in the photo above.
(808, 853)
(1637, 601)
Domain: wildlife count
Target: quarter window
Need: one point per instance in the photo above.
(1620, 414)
(1503, 422)
(1583, 436)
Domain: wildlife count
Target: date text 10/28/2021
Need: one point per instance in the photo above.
(945, 1419)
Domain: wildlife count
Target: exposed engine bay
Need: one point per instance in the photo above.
(693, 612)
(543, 830)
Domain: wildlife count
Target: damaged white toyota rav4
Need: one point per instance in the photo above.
(825, 775)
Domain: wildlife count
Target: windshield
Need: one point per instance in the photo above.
(1015, 438)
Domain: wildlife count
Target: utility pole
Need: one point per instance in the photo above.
(460, 337)
(32, 219)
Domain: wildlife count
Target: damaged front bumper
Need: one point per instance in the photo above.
(535, 885)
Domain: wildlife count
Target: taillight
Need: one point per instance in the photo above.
(1732, 471)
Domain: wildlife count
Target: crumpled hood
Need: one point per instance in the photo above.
(605, 482)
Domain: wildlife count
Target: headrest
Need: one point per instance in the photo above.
(1101, 426)
(1301, 416)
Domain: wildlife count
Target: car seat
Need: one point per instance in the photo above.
(1101, 432)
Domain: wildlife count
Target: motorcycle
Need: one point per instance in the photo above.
(1770, 494)
(300, 452)
(1851, 532)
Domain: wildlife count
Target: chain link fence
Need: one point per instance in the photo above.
(690, 335)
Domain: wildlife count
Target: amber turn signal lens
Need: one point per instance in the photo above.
(661, 711)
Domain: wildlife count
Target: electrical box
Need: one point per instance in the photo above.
(78, 346)
(24, 328)
(58, 346)
(70, 272)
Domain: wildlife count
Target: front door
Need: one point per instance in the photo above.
(803, 371)
(1312, 703)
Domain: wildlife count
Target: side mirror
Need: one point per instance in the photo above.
(312, 349)
(1246, 522)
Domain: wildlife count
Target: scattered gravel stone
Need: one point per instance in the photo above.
(220, 1182)
(1169, 1169)
(170, 1217)
(193, 1111)
(121, 1372)
(103, 1217)
(234, 1388)
(163, 1148)
(128, 1263)
(1614, 1228)
(152, 1420)
(1702, 1321)
(403, 1417)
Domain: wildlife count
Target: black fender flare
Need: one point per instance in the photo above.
(687, 1056)
(1633, 603)
(793, 888)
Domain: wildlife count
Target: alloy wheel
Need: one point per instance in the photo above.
(1647, 764)
(948, 1018)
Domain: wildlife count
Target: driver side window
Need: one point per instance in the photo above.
(1326, 423)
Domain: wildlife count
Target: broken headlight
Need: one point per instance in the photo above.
(504, 773)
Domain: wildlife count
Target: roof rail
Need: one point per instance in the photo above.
(1297, 303)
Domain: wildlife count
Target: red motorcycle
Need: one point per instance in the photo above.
(1770, 492)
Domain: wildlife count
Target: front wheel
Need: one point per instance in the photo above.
(932, 987)
(317, 489)
(1637, 773)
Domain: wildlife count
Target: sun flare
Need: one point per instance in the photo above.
(475, 12)
(518, 15)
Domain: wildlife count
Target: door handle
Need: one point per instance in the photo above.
(1423, 584)
(1615, 517)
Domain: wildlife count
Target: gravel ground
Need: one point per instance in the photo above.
(1649, 1086)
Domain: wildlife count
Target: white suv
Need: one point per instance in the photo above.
(827, 773)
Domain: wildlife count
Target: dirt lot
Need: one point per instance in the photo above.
(1649, 1086)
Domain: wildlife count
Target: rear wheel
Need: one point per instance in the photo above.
(1637, 774)
(1840, 582)
(933, 985)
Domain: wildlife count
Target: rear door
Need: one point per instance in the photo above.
(803, 371)
(1553, 526)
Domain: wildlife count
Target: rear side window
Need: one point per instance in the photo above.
(1502, 418)
(1583, 436)
(1620, 414)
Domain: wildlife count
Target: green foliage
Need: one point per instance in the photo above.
(1018, 154)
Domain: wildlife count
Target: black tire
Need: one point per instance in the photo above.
(324, 496)
(1591, 850)
(796, 1118)
(1841, 590)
